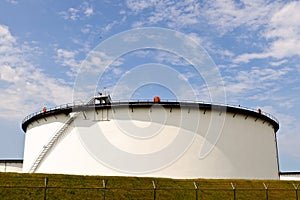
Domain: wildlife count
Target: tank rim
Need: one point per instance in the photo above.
(68, 108)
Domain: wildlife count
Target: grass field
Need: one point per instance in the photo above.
(32, 186)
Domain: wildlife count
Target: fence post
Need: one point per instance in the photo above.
(267, 190)
(104, 183)
(154, 191)
(296, 186)
(196, 189)
(45, 188)
(233, 185)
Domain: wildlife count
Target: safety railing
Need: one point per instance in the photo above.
(63, 106)
(149, 101)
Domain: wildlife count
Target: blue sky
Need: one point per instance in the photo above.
(255, 45)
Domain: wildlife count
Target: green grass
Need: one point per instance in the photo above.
(32, 186)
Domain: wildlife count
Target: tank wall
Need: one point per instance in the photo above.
(251, 147)
(290, 177)
(38, 134)
(10, 166)
(246, 147)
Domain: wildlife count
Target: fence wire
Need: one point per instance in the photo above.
(198, 192)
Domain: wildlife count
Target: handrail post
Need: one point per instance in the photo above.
(267, 190)
(196, 189)
(154, 190)
(233, 185)
(296, 186)
(104, 183)
(45, 189)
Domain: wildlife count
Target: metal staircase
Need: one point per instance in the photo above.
(52, 141)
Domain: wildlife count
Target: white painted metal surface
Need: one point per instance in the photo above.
(139, 141)
(290, 176)
(11, 166)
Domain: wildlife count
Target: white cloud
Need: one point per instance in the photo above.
(285, 48)
(285, 22)
(96, 69)
(67, 58)
(255, 83)
(168, 58)
(227, 15)
(6, 39)
(88, 11)
(268, 18)
(28, 89)
(244, 58)
(8, 74)
(196, 38)
(25, 87)
(86, 29)
(283, 34)
(138, 6)
(108, 27)
(15, 2)
(278, 63)
(75, 13)
(161, 56)
(174, 14)
(71, 13)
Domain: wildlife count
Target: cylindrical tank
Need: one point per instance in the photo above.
(153, 139)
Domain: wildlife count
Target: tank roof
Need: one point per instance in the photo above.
(11, 160)
(68, 108)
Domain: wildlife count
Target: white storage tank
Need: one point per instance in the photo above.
(152, 138)
(11, 165)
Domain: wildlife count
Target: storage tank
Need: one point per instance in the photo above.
(152, 139)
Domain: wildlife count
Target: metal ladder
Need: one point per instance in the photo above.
(52, 141)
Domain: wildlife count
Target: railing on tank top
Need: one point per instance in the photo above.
(145, 101)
